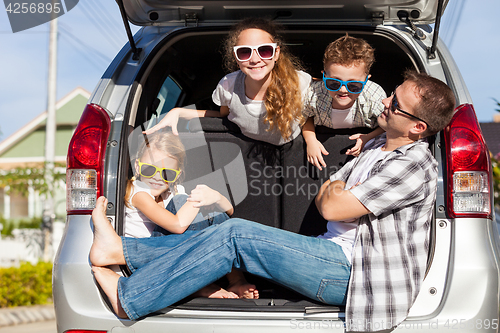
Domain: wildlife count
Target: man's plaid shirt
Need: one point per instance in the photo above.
(318, 104)
(391, 247)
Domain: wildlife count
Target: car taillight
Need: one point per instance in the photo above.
(85, 160)
(469, 167)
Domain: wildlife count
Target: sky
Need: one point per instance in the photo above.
(92, 33)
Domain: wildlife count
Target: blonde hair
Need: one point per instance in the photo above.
(165, 142)
(283, 98)
(348, 51)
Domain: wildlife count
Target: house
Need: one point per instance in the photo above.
(26, 148)
(491, 133)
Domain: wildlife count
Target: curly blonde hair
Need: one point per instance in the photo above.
(165, 142)
(283, 98)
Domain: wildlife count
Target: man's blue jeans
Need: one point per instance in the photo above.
(168, 269)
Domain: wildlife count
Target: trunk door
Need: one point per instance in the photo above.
(181, 12)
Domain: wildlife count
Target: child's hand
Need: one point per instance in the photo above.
(170, 120)
(360, 143)
(203, 196)
(315, 152)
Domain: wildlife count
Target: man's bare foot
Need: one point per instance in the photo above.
(108, 280)
(214, 291)
(107, 246)
(243, 289)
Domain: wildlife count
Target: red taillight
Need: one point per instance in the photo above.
(85, 160)
(469, 167)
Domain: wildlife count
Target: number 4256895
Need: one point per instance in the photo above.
(33, 8)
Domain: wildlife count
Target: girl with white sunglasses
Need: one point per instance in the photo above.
(263, 94)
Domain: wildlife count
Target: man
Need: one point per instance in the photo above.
(379, 208)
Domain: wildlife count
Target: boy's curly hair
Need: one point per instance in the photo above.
(348, 51)
(283, 99)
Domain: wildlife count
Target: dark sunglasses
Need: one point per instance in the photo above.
(354, 87)
(264, 51)
(149, 170)
(394, 107)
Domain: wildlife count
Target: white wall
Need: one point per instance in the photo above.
(26, 245)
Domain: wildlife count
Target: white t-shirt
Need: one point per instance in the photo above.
(343, 118)
(137, 224)
(343, 233)
(224, 91)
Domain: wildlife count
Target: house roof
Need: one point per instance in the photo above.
(26, 147)
(491, 133)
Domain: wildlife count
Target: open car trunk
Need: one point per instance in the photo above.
(267, 184)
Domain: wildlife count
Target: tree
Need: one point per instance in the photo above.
(20, 179)
(498, 104)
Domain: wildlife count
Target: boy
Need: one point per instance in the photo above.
(345, 98)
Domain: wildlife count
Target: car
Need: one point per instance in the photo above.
(174, 60)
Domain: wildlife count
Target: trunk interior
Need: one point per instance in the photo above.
(274, 185)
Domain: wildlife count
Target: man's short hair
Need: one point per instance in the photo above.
(348, 51)
(437, 101)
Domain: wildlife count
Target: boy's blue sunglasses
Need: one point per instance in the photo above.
(354, 87)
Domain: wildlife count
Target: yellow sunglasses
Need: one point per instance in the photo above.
(149, 170)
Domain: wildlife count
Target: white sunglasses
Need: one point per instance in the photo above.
(264, 51)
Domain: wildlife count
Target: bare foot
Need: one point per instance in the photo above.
(107, 246)
(214, 291)
(243, 289)
(108, 280)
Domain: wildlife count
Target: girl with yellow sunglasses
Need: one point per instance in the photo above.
(157, 205)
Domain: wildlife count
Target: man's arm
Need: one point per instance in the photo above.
(337, 204)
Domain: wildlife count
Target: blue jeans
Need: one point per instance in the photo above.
(168, 269)
(200, 222)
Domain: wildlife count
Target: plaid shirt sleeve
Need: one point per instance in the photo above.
(369, 105)
(391, 246)
(318, 104)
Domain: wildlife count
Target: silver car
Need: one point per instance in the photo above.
(174, 60)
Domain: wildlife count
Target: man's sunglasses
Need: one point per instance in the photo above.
(149, 170)
(265, 51)
(354, 87)
(394, 107)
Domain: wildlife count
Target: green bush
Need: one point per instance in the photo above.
(26, 285)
